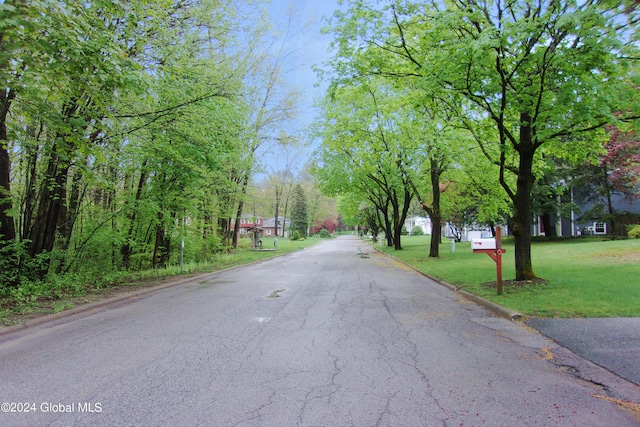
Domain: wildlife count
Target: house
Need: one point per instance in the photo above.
(418, 221)
(269, 227)
(448, 230)
(248, 222)
(579, 222)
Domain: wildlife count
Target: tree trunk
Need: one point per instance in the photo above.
(7, 223)
(159, 249)
(53, 193)
(51, 203)
(126, 250)
(397, 225)
(243, 191)
(68, 220)
(548, 225)
(522, 203)
(386, 223)
(399, 216)
(30, 191)
(436, 213)
(610, 210)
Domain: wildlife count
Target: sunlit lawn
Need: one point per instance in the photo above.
(585, 277)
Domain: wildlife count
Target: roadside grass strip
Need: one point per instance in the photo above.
(582, 277)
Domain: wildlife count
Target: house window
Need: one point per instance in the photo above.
(268, 232)
(600, 228)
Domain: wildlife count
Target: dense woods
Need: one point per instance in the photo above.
(129, 127)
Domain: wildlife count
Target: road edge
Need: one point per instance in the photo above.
(490, 305)
(5, 330)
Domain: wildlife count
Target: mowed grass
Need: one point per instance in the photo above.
(586, 277)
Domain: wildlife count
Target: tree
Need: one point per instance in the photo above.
(430, 140)
(521, 76)
(365, 150)
(125, 126)
(272, 104)
(299, 223)
(616, 172)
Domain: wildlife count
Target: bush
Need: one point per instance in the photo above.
(324, 233)
(634, 231)
(18, 267)
(417, 231)
(296, 236)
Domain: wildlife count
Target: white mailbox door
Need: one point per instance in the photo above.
(483, 244)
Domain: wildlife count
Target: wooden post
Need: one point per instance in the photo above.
(499, 259)
(496, 255)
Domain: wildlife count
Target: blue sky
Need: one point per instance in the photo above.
(309, 44)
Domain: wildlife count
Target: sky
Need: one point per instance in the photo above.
(309, 45)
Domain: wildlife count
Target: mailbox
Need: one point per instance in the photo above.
(493, 248)
(480, 244)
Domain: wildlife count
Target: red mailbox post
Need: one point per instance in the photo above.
(493, 248)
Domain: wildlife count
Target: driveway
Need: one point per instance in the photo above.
(613, 343)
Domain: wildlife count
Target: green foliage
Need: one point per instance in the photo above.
(634, 231)
(52, 288)
(140, 121)
(324, 233)
(296, 236)
(509, 74)
(18, 267)
(299, 220)
(417, 231)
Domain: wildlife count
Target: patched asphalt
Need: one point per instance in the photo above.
(613, 343)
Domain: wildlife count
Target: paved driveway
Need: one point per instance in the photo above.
(613, 343)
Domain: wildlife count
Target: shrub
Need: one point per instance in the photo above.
(324, 233)
(417, 231)
(296, 235)
(634, 231)
(18, 267)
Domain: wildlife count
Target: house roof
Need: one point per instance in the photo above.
(271, 222)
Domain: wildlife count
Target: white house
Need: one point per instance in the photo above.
(418, 221)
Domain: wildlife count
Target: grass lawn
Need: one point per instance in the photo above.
(585, 277)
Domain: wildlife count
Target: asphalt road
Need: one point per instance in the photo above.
(329, 336)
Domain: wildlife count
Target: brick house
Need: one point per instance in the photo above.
(248, 222)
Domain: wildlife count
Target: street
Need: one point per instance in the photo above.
(334, 335)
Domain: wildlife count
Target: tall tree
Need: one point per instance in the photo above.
(272, 104)
(520, 75)
(299, 219)
(365, 150)
(22, 24)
